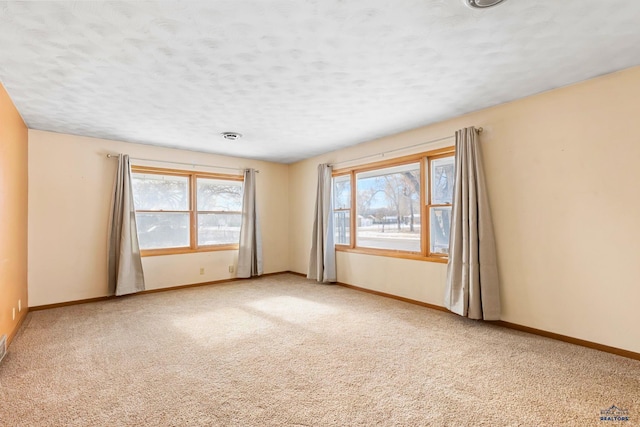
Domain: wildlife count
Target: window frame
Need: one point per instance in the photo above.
(424, 159)
(192, 177)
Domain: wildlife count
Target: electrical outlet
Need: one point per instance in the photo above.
(231, 269)
(201, 271)
(19, 305)
(14, 314)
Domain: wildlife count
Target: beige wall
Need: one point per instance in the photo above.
(70, 182)
(563, 171)
(13, 215)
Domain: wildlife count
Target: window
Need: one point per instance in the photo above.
(400, 207)
(388, 208)
(179, 211)
(439, 204)
(219, 211)
(342, 209)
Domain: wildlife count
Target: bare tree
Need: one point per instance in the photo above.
(219, 196)
(365, 198)
(342, 194)
(412, 178)
(160, 194)
(394, 190)
(402, 190)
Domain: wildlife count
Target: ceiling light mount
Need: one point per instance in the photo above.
(231, 136)
(482, 4)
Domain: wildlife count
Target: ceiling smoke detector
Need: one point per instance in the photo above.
(482, 4)
(231, 136)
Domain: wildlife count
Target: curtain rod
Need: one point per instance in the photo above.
(180, 163)
(400, 149)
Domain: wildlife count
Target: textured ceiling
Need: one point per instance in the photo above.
(296, 77)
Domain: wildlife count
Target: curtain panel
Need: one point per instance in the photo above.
(473, 288)
(125, 275)
(322, 260)
(250, 250)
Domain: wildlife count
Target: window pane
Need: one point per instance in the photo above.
(440, 229)
(442, 180)
(342, 192)
(219, 229)
(219, 195)
(160, 192)
(342, 227)
(388, 208)
(163, 230)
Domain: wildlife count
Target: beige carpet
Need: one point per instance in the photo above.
(282, 351)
